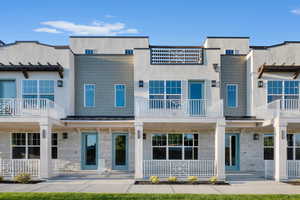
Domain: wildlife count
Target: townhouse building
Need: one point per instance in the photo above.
(112, 104)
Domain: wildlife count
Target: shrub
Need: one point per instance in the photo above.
(213, 180)
(23, 178)
(172, 179)
(1, 178)
(192, 179)
(154, 179)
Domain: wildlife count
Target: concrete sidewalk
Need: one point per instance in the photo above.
(127, 186)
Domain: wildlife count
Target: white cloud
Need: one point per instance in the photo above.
(296, 11)
(47, 30)
(96, 28)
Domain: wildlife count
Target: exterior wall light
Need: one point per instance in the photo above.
(60, 83)
(255, 136)
(141, 83)
(65, 135)
(260, 84)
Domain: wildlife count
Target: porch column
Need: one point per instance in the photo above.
(138, 151)
(45, 150)
(220, 149)
(280, 154)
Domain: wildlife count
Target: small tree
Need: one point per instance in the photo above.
(23, 178)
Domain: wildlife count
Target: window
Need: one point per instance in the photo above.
(293, 146)
(232, 95)
(175, 146)
(89, 95)
(38, 89)
(278, 89)
(27, 145)
(129, 51)
(165, 94)
(268, 147)
(229, 51)
(89, 51)
(120, 95)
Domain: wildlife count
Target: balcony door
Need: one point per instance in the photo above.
(232, 152)
(89, 151)
(196, 105)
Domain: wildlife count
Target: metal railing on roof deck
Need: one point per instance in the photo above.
(177, 55)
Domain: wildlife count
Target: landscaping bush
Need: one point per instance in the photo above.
(154, 179)
(23, 178)
(1, 178)
(213, 180)
(192, 179)
(172, 179)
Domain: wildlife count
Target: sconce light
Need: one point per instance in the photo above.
(141, 83)
(65, 135)
(216, 67)
(144, 136)
(260, 84)
(60, 83)
(213, 83)
(255, 136)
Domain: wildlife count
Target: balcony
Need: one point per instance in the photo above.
(178, 109)
(161, 55)
(12, 108)
(283, 107)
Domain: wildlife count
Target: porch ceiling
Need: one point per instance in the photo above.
(178, 126)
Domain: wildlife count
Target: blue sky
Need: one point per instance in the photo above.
(167, 22)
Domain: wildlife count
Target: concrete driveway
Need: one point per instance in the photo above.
(127, 186)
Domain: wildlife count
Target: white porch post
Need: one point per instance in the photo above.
(45, 150)
(220, 149)
(280, 154)
(138, 151)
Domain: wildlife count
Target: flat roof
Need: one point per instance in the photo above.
(227, 37)
(109, 36)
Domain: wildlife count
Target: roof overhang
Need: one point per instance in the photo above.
(295, 69)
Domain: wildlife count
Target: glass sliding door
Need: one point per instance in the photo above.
(120, 151)
(7, 92)
(89, 151)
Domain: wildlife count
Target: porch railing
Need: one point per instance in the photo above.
(13, 167)
(293, 168)
(30, 107)
(179, 168)
(178, 108)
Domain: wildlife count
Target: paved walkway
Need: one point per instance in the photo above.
(127, 186)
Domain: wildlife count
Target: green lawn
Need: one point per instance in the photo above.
(92, 196)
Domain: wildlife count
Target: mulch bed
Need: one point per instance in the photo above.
(181, 183)
(15, 182)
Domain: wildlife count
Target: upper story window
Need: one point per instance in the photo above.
(278, 89)
(129, 51)
(89, 95)
(164, 93)
(232, 95)
(176, 55)
(42, 89)
(229, 51)
(90, 51)
(175, 146)
(120, 95)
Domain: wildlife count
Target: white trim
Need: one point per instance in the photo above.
(115, 95)
(236, 96)
(84, 95)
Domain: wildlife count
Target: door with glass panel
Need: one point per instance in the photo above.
(89, 158)
(120, 151)
(232, 152)
(196, 104)
(7, 93)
